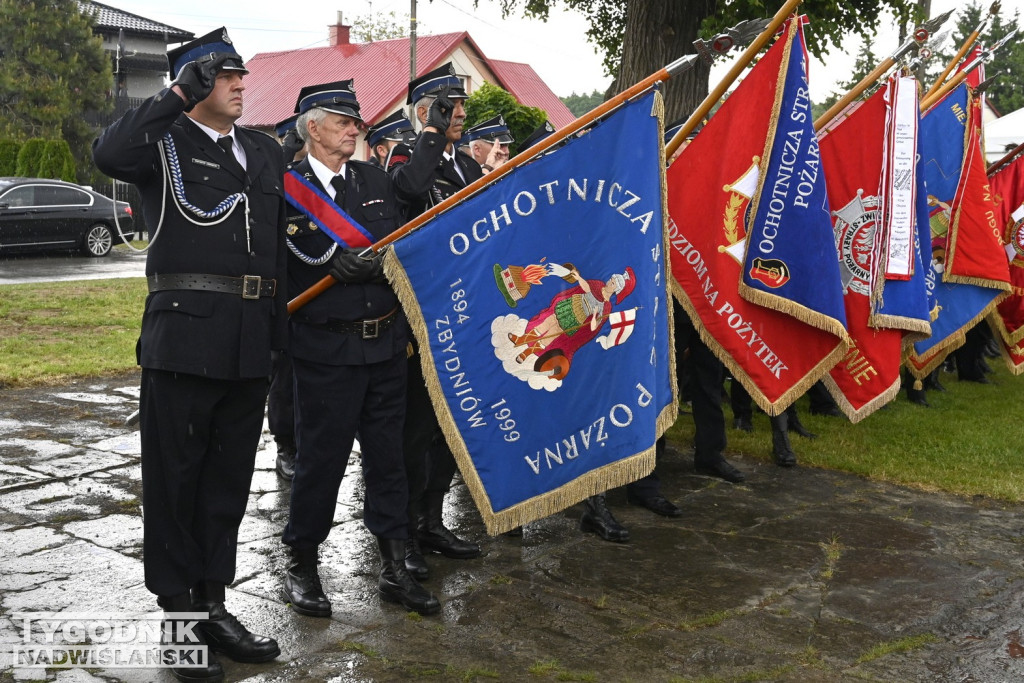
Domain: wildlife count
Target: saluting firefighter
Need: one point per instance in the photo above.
(348, 350)
(425, 176)
(216, 308)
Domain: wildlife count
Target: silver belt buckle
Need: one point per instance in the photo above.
(251, 285)
(371, 329)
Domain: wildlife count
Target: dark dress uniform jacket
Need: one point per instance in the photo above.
(211, 334)
(370, 201)
(429, 180)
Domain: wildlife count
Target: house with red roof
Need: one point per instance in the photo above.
(380, 71)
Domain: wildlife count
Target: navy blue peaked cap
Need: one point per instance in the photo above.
(395, 127)
(430, 84)
(492, 130)
(214, 44)
(338, 97)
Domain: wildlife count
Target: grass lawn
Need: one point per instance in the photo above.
(52, 331)
(968, 442)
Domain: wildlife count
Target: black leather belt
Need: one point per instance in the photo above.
(247, 286)
(370, 328)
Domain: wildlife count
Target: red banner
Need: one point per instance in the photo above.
(710, 191)
(974, 254)
(1007, 185)
(853, 155)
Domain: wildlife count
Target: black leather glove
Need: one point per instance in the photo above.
(347, 266)
(440, 113)
(197, 78)
(290, 145)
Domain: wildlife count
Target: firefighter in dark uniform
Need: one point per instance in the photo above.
(348, 349)
(425, 176)
(383, 136)
(280, 408)
(215, 311)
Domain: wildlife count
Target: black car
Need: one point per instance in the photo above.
(39, 214)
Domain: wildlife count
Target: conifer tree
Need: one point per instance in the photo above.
(52, 71)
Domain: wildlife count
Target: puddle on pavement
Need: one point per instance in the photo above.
(92, 398)
(1013, 646)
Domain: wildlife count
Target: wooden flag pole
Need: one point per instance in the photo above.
(920, 35)
(926, 103)
(1005, 160)
(676, 67)
(748, 55)
(962, 52)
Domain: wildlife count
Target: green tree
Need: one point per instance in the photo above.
(56, 161)
(865, 64)
(8, 157)
(1006, 92)
(638, 37)
(489, 100)
(368, 28)
(53, 70)
(29, 156)
(581, 104)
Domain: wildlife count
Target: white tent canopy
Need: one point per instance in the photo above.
(1003, 134)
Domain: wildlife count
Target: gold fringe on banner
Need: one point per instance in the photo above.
(596, 481)
(868, 408)
(998, 325)
(772, 408)
(916, 329)
(951, 343)
(1014, 369)
(670, 413)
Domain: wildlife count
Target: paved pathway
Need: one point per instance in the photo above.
(797, 575)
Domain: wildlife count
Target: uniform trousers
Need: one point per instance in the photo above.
(429, 463)
(332, 403)
(199, 440)
(705, 374)
(280, 408)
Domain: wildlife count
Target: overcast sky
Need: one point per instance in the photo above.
(557, 50)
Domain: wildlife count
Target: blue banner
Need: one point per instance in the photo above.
(541, 308)
(791, 263)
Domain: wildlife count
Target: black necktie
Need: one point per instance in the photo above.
(226, 142)
(338, 182)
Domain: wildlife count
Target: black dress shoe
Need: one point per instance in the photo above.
(598, 519)
(743, 423)
(415, 564)
(440, 539)
(304, 593)
(183, 639)
(225, 634)
(720, 468)
(395, 584)
(796, 426)
(659, 505)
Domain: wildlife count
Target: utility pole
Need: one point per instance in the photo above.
(412, 52)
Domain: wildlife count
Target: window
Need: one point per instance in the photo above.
(19, 196)
(55, 195)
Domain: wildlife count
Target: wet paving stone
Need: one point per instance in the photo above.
(111, 531)
(801, 575)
